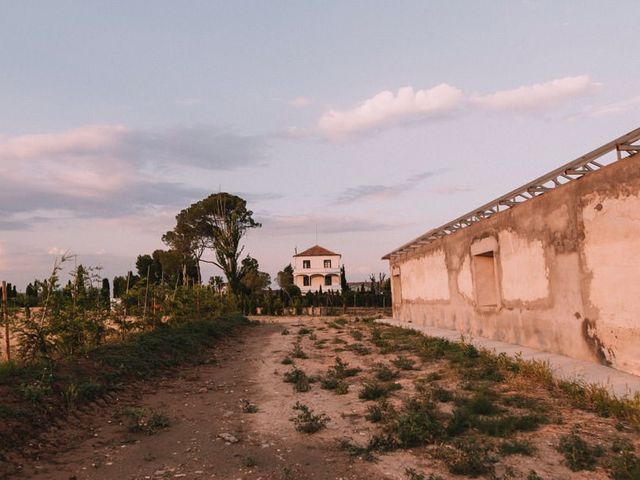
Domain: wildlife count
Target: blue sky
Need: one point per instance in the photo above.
(374, 121)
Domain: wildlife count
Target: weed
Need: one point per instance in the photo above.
(468, 457)
(481, 404)
(284, 332)
(298, 352)
(625, 465)
(533, 475)
(319, 343)
(358, 348)
(287, 360)
(578, 454)
(248, 407)
(308, 422)
(356, 335)
(411, 474)
(356, 450)
(382, 410)
(433, 376)
(299, 379)
(304, 331)
(506, 425)
(140, 421)
(403, 363)
(517, 447)
(375, 390)
(384, 373)
(341, 369)
(441, 394)
(417, 424)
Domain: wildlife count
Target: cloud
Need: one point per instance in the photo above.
(451, 189)
(380, 192)
(538, 96)
(56, 251)
(106, 171)
(387, 108)
(300, 224)
(300, 102)
(607, 110)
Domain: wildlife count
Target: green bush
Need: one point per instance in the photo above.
(578, 454)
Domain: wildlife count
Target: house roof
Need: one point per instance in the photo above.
(316, 251)
(568, 172)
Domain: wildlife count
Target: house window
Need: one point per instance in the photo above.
(484, 279)
(327, 264)
(327, 279)
(306, 281)
(306, 263)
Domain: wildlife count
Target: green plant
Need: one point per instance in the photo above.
(403, 363)
(308, 422)
(533, 475)
(356, 450)
(468, 457)
(625, 464)
(517, 447)
(358, 348)
(298, 352)
(142, 421)
(373, 391)
(285, 331)
(287, 360)
(383, 373)
(299, 380)
(578, 454)
(341, 370)
(304, 331)
(506, 425)
(379, 412)
(417, 424)
(412, 474)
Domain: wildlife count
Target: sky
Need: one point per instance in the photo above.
(369, 122)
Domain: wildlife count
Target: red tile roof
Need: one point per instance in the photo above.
(316, 251)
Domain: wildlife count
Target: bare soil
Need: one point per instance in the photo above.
(205, 408)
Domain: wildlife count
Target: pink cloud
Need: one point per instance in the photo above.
(537, 96)
(387, 108)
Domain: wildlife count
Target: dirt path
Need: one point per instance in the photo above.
(210, 433)
(201, 403)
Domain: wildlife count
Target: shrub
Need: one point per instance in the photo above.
(508, 424)
(375, 390)
(516, 447)
(384, 373)
(417, 424)
(379, 412)
(298, 352)
(403, 363)
(578, 454)
(411, 474)
(284, 332)
(287, 360)
(308, 422)
(468, 458)
(299, 380)
(358, 348)
(341, 370)
(625, 465)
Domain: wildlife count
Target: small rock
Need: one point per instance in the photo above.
(227, 437)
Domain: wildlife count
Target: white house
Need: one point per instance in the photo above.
(317, 268)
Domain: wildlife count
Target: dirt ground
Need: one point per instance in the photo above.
(206, 432)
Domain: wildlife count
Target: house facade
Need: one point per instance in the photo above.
(317, 269)
(553, 265)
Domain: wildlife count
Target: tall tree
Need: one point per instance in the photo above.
(105, 293)
(343, 280)
(217, 223)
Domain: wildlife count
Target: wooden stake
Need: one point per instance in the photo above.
(146, 296)
(5, 317)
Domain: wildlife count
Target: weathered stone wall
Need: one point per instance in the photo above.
(560, 272)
